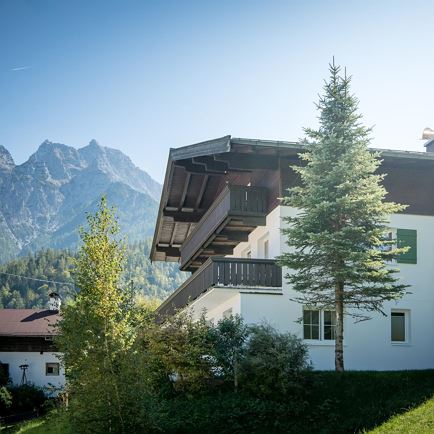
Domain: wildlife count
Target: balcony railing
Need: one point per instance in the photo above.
(224, 272)
(245, 205)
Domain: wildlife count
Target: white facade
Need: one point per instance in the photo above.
(367, 345)
(41, 370)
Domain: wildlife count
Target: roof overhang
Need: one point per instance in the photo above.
(197, 173)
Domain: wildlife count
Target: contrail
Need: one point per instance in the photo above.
(21, 68)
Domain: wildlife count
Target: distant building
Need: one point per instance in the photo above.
(27, 351)
(220, 217)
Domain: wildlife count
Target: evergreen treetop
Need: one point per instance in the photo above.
(338, 245)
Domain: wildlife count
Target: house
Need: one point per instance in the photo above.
(220, 217)
(27, 352)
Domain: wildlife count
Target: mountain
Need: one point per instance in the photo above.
(44, 200)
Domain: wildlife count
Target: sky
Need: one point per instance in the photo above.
(146, 76)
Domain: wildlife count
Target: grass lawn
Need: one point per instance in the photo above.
(55, 422)
(420, 420)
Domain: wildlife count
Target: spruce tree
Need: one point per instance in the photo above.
(338, 244)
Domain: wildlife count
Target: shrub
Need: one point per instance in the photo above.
(180, 354)
(5, 399)
(27, 397)
(272, 361)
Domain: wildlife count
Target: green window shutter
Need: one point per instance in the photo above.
(407, 237)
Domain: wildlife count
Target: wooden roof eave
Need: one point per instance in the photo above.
(227, 144)
(209, 147)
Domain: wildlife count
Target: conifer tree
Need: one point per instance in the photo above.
(338, 244)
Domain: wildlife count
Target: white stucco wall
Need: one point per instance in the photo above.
(367, 344)
(215, 302)
(36, 371)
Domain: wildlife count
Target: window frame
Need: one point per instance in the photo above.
(321, 335)
(51, 365)
(406, 313)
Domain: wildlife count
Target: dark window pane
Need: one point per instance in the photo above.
(398, 326)
(315, 316)
(307, 332)
(315, 332)
(52, 369)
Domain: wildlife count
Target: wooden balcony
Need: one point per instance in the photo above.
(237, 273)
(233, 215)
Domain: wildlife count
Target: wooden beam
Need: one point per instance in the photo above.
(210, 164)
(183, 217)
(169, 251)
(234, 235)
(172, 238)
(212, 250)
(184, 190)
(201, 191)
(191, 167)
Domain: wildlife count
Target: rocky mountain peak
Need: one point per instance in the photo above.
(45, 199)
(6, 160)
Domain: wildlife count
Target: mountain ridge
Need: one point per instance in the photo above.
(45, 199)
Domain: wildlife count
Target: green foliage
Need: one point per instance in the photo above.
(229, 337)
(179, 354)
(155, 280)
(190, 357)
(56, 422)
(339, 234)
(272, 362)
(19, 399)
(96, 332)
(350, 402)
(45, 265)
(338, 238)
(5, 399)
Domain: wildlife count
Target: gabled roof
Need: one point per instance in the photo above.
(28, 322)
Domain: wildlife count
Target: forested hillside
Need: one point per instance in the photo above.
(156, 280)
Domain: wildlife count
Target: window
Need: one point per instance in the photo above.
(52, 369)
(329, 324)
(319, 324)
(399, 326)
(311, 324)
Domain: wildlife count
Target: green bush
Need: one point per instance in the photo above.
(273, 362)
(20, 399)
(26, 398)
(5, 399)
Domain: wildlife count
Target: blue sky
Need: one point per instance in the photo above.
(144, 76)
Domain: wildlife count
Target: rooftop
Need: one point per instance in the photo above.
(27, 322)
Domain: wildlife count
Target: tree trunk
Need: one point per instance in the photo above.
(339, 331)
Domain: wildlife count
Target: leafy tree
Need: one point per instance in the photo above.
(338, 238)
(96, 333)
(180, 354)
(229, 339)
